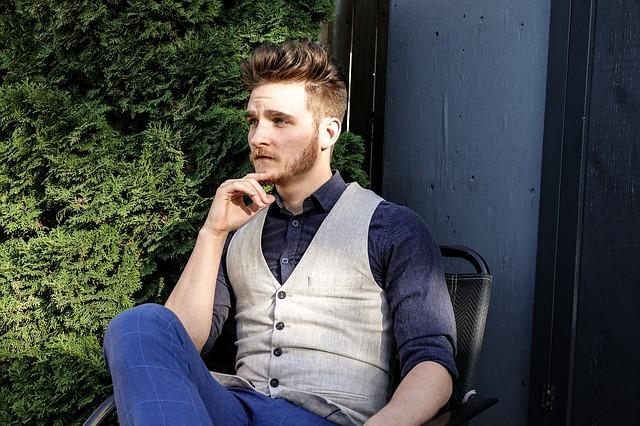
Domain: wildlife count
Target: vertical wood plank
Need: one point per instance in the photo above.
(607, 378)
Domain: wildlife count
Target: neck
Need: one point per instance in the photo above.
(294, 193)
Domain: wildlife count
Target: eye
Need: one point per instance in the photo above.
(279, 121)
(252, 121)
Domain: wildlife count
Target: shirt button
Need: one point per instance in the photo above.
(277, 351)
(279, 325)
(282, 295)
(274, 383)
(295, 223)
(285, 260)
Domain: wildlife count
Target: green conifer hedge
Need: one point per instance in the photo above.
(118, 119)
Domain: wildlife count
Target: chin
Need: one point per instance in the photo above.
(264, 169)
(260, 168)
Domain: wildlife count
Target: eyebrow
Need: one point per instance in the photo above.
(271, 113)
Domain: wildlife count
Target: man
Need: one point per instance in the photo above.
(328, 283)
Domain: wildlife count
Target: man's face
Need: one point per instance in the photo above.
(283, 135)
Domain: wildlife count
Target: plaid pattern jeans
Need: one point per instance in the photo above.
(159, 378)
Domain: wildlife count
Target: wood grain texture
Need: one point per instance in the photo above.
(607, 378)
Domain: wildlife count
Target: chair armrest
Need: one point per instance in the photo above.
(459, 415)
(102, 412)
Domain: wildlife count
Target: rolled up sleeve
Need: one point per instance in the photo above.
(413, 281)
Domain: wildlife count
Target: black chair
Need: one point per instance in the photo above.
(470, 294)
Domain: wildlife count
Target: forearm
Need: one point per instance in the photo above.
(418, 398)
(193, 296)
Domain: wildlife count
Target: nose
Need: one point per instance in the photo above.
(259, 135)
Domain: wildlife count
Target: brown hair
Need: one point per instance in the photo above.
(300, 62)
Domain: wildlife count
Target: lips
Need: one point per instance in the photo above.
(261, 158)
(260, 154)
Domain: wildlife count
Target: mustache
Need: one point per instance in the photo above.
(261, 152)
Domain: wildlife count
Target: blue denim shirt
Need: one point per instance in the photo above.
(404, 259)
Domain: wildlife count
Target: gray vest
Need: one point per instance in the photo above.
(325, 334)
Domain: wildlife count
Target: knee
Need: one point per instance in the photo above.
(145, 318)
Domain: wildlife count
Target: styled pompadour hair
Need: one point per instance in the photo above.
(300, 62)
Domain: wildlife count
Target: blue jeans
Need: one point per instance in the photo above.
(159, 378)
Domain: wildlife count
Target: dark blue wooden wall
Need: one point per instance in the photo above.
(606, 377)
(463, 144)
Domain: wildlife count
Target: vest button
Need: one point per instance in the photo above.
(285, 260)
(277, 351)
(274, 383)
(282, 295)
(279, 325)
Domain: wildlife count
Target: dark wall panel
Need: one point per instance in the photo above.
(607, 376)
(463, 144)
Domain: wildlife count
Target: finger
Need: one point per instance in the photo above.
(247, 209)
(235, 190)
(257, 193)
(260, 198)
(260, 177)
(231, 186)
(255, 208)
(248, 206)
(266, 198)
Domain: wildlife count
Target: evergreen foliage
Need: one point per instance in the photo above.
(118, 119)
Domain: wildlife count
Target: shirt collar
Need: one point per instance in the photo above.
(324, 198)
(329, 193)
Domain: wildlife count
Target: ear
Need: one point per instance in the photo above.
(329, 132)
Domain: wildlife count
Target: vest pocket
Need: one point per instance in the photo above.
(346, 281)
(344, 289)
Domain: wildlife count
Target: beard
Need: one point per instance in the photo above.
(292, 168)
